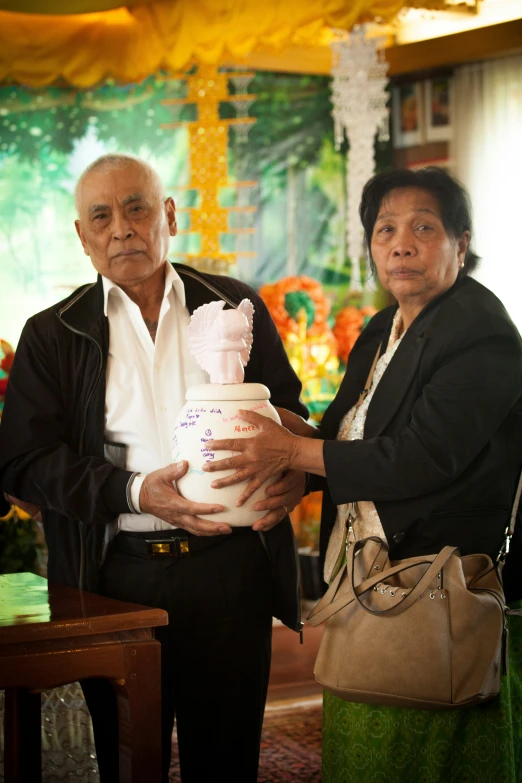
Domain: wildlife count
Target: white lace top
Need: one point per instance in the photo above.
(367, 522)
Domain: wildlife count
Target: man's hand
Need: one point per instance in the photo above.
(281, 498)
(159, 497)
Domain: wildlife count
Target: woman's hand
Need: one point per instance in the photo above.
(280, 498)
(267, 454)
(296, 424)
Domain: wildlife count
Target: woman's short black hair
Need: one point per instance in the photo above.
(451, 197)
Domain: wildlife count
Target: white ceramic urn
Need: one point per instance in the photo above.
(211, 413)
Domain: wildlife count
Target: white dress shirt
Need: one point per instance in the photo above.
(146, 383)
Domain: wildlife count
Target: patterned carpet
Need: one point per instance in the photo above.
(290, 746)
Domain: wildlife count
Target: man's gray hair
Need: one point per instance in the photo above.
(116, 160)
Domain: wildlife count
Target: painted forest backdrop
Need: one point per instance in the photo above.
(48, 136)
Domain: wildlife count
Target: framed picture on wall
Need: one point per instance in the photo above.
(407, 115)
(438, 108)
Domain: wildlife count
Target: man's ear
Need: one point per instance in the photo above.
(82, 237)
(170, 212)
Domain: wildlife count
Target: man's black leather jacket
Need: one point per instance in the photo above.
(52, 431)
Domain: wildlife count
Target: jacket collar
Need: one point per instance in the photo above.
(172, 282)
(83, 309)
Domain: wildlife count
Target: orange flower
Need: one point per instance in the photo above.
(348, 325)
(273, 295)
(369, 311)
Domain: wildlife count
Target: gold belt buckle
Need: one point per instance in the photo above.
(174, 547)
(161, 548)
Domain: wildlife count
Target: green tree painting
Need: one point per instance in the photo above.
(47, 136)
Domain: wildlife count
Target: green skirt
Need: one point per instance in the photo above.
(483, 744)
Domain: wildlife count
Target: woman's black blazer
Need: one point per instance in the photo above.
(442, 446)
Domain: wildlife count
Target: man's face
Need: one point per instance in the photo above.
(124, 226)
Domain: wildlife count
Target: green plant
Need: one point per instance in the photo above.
(20, 549)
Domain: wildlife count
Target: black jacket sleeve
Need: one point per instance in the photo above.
(475, 381)
(37, 461)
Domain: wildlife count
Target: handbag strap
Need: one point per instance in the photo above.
(508, 535)
(317, 612)
(352, 507)
(510, 529)
(367, 385)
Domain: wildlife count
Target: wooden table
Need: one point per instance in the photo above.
(51, 635)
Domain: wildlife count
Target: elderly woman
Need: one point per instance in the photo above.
(430, 458)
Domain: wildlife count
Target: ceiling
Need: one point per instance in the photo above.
(85, 41)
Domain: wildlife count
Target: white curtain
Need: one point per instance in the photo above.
(487, 156)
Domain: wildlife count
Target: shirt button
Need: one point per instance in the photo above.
(157, 365)
(398, 537)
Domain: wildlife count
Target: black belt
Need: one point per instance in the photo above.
(160, 543)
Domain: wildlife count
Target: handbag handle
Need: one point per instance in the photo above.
(415, 592)
(332, 602)
(345, 595)
(327, 600)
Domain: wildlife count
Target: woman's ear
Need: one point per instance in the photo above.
(462, 247)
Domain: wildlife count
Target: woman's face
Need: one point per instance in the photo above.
(415, 258)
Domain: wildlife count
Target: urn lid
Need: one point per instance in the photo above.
(228, 391)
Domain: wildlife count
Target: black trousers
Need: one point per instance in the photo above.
(215, 654)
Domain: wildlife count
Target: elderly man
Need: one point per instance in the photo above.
(95, 389)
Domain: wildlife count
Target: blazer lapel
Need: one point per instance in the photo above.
(348, 392)
(394, 384)
(401, 371)
(359, 363)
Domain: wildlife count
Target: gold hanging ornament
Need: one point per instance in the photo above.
(208, 162)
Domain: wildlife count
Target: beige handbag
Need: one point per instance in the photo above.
(425, 633)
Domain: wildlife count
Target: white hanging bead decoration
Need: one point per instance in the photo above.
(359, 112)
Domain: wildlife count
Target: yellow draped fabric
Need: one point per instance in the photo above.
(65, 6)
(129, 44)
